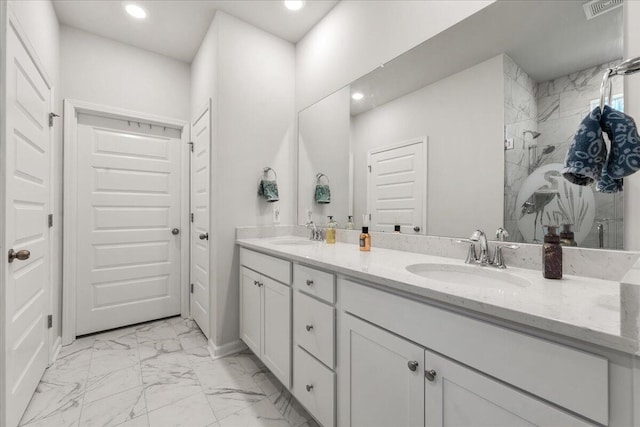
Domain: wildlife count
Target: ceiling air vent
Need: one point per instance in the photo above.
(598, 7)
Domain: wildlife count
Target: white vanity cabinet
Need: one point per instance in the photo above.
(265, 311)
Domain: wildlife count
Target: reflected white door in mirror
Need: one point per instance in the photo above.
(397, 187)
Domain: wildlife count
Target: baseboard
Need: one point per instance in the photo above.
(57, 346)
(218, 351)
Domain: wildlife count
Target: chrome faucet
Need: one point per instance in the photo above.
(479, 236)
(483, 259)
(314, 230)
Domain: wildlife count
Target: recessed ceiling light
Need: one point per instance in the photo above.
(135, 11)
(357, 96)
(294, 4)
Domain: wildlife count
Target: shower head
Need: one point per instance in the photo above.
(548, 149)
(533, 133)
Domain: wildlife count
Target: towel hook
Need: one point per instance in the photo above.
(605, 92)
(319, 176)
(266, 171)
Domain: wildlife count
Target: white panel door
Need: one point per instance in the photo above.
(385, 377)
(200, 199)
(397, 188)
(128, 263)
(27, 179)
(276, 341)
(458, 396)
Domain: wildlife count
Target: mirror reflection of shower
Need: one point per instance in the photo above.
(534, 160)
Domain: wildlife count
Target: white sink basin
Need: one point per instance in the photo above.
(468, 275)
(292, 241)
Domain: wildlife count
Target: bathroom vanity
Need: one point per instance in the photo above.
(400, 338)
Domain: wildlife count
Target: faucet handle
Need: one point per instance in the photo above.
(472, 257)
(498, 259)
(501, 234)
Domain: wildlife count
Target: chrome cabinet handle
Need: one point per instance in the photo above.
(430, 375)
(21, 255)
(204, 236)
(175, 231)
(413, 365)
(309, 387)
(255, 283)
(416, 228)
(309, 328)
(309, 282)
(260, 284)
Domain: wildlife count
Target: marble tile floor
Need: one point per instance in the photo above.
(159, 374)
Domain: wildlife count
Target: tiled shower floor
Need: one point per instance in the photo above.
(159, 374)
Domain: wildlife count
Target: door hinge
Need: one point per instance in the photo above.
(191, 144)
(51, 116)
(50, 321)
(192, 217)
(50, 220)
(369, 217)
(192, 288)
(369, 168)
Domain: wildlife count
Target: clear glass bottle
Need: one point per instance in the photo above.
(331, 231)
(350, 224)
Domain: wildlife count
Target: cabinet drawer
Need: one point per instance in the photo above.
(314, 327)
(315, 282)
(275, 268)
(314, 387)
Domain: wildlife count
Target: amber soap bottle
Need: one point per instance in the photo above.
(365, 240)
(551, 255)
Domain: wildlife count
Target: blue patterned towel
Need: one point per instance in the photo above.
(587, 152)
(269, 190)
(624, 158)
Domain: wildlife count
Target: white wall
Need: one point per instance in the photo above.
(102, 71)
(323, 147)
(250, 76)
(462, 116)
(632, 106)
(38, 20)
(358, 36)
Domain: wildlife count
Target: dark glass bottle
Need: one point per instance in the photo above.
(551, 255)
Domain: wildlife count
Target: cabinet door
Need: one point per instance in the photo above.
(385, 377)
(276, 342)
(250, 309)
(459, 396)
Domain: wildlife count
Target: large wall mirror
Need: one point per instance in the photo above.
(469, 130)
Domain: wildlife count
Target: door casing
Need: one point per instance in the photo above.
(71, 109)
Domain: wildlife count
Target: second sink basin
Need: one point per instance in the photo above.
(468, 275)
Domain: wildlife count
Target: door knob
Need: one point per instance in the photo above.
(21, 255)
(416, 228)
(430, 375)
(175, 231)
(309, 282)
(413, 365)
(204, 236)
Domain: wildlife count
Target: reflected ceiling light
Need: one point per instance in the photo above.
(357, 96)
(135, 11)
(294, 4)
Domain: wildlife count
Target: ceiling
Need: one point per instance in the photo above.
(175, 28)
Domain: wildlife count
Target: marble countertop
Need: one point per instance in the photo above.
(586, 309)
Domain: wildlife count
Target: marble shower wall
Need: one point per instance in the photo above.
(520, 115)
(559, 106)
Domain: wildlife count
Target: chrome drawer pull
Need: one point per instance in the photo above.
(413, 365)
(309, 387)
(309, 282)
(309, 328)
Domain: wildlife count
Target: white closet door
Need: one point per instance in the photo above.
(397, 188)
(27, 179)
(128, 268)
(200, 196)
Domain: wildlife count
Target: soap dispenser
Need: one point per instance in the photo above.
(331, 230)
(551, 254)
(365, 237)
